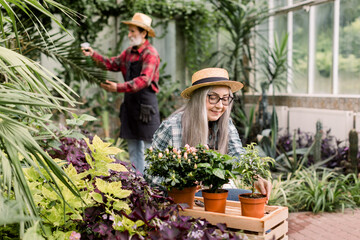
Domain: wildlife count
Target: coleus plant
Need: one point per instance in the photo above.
(116, 204)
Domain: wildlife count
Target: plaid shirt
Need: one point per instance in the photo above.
(150, 68)
(169, 134)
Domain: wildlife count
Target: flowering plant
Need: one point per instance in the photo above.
(176, 168)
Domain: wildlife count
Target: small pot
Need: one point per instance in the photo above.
(215, 202)
(252, 207)
(186, 195)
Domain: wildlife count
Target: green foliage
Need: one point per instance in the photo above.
(25, 93)
(167, 97)
(311, 190)
(324, 191)
(317, 142)
(187, 166)
(282, 190)
(94, 191)
(97, 15)
(175, 167)
(238, 19)
(246, 123)
(298, 158)
(215, 170)
(251, 166)
(354, 150)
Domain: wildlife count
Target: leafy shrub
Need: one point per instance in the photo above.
(310, 190)
(116, 204)
(251, 166)
(187, 166)
(174, 167)
(330, 147)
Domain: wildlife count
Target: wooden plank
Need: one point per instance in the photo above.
(237, 222)
(278, 232)
(274, 215)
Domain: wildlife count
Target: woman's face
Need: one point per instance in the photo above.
(216, 110)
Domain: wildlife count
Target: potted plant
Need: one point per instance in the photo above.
(214, 170)
(251, 167)
(175, 169)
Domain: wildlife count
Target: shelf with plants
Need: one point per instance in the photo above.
(273, 225)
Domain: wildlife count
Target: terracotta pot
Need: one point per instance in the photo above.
(186, 195)
(215, 202)
(252, 207)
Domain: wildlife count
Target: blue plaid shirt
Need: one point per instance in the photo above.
(169, 134)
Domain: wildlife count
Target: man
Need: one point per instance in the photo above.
(139, 64)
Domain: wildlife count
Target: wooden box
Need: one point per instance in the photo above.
(273, 225)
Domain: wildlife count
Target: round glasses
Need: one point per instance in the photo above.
(214, 99)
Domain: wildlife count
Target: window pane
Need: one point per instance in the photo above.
(349, 47)
(280, 3)
(280, 30)
(300, 52)
(261, 43)
(323, 57)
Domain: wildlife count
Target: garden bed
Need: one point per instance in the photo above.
(273, 224)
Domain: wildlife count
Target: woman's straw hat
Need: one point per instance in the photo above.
(211, 77)
(143, 21)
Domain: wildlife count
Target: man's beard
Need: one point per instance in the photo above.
(135, 41)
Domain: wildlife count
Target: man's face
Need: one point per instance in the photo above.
(135, 36)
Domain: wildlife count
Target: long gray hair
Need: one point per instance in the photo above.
(195, 125)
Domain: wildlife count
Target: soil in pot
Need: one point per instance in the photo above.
(215, 202)
(186, 195)
(252, 206)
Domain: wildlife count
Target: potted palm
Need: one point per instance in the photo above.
(250, 168)
(214, 171)
(174, 169)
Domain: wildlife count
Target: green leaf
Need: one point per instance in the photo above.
(219, 173)
(97, 197)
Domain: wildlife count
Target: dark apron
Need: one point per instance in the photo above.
(131, 125)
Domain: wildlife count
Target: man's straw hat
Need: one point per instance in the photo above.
(143, 21)
(211, 77)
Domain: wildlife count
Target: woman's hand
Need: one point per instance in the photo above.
(109, 86)
(264, 187)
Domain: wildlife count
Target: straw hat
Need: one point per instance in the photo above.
(143, 21)
(211, 77)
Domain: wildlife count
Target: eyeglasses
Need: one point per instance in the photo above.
(214, 99)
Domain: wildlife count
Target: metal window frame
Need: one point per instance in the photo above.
(308, 5)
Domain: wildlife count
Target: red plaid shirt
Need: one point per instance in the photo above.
(150, 69)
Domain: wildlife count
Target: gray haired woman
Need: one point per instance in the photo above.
(205, 119)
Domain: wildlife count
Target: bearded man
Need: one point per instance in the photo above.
(139, 64)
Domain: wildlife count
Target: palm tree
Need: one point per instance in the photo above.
(25, 97)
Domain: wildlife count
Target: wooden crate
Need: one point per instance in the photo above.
(273, 224)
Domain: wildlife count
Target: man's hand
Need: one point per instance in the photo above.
(87, 51)
(264, 187)
(145, 112)
(109, 86)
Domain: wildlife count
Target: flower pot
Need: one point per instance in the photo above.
(252, 207)
(215, 202)
(186, 195)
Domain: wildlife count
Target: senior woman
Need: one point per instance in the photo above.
(205, 119)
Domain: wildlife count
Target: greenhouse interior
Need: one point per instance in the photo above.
(158, 119)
